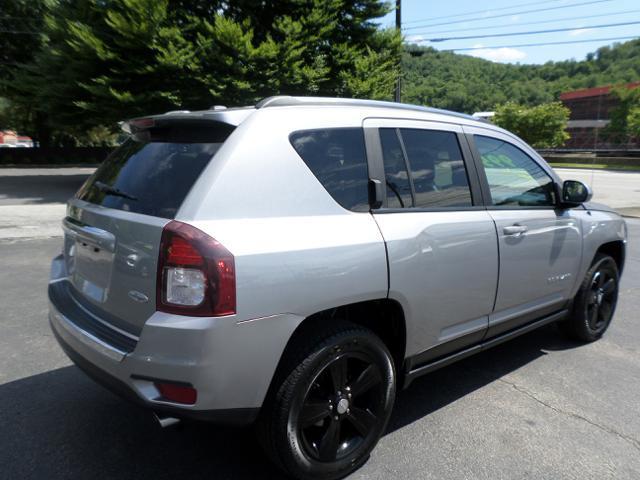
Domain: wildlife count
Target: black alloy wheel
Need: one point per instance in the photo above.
(601, 300)
(342, 407)
(595, 302)
(333, 397)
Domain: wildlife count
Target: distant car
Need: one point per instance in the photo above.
(297, 262)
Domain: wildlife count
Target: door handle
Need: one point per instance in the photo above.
(515, 230)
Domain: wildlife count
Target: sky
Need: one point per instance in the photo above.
(423, 20)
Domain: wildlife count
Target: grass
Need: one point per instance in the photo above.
(596, 166)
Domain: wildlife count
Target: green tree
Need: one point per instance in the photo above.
(21, 36)
(469, 84)
(108, 60)
(633, 121)
(542, 126)
(21, 27)
(624, 115)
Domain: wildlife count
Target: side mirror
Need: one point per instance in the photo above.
(575, 193)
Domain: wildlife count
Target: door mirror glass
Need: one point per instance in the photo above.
(575, 193)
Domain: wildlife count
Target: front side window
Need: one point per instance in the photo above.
(436, 169)
(337, 158)
(514, 178)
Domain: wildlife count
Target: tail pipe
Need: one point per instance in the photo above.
(164, 421)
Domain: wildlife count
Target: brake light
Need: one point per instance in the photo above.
(196, 274)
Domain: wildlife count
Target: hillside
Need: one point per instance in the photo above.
(468, 84)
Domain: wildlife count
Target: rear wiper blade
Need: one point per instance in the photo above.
(109, 190)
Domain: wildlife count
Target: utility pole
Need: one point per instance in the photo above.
(399, 28)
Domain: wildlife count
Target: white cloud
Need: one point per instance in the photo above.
(579, 31)
(414, 38)
(503, 54)
(515, 18)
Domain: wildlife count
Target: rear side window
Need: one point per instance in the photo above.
(436, 169)
(338, 160)
(153, 171)
(395, 170)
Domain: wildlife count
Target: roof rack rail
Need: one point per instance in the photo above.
(289, 101)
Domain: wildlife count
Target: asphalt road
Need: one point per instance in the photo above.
(620, 190)
(539, 407)
(32, 200)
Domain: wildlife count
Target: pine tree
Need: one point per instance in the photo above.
(106, 60)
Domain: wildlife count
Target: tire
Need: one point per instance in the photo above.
(330, 402)
(595, 302)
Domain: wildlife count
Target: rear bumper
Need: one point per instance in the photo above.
(229, 362)
(232, 416)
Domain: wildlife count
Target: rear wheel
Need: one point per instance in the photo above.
(332, 405)
(595, 303)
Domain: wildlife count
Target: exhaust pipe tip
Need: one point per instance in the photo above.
(165, 422)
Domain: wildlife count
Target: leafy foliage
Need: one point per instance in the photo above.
(105, 60)
(633, 121)
(468, 84)
(24, 18)
(625, 117)
(542, 126)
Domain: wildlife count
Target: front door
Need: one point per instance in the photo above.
(539, 244)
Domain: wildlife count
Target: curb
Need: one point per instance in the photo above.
(618, 170)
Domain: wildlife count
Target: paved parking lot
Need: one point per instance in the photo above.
(536, 408)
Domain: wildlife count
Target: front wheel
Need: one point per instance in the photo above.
(333, 404)
(595, 302)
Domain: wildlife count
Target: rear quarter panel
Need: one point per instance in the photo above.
(296, 249)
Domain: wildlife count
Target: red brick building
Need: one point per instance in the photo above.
(590, 114)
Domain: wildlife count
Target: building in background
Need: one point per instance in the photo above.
(591, 113)
(9, 138)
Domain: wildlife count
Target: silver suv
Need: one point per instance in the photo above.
(295, 263)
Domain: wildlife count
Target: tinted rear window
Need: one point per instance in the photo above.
(152, 172)
(337, 158)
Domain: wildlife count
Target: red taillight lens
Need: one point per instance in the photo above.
(196, 274)
(181, 252)
(177, 393)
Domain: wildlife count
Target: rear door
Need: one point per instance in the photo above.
(540, 245)
(441, 242)
(114, 224)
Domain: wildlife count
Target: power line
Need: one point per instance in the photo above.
(482, 11)
(538, 44)
(492, 27)
(509, 14)
(532, 32)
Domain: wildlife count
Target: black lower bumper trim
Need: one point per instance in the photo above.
(232, 416)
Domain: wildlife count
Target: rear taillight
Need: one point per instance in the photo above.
(196, 274)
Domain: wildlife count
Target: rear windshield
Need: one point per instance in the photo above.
(152, 172)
